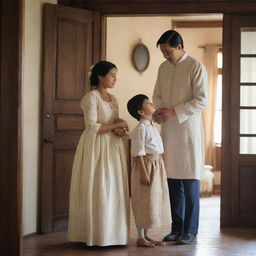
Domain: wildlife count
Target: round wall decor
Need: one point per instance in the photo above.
(140, 57)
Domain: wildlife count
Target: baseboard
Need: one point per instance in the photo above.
(30, 235)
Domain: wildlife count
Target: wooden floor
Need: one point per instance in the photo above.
(211, 241)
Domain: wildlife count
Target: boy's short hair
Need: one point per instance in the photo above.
(135, 104)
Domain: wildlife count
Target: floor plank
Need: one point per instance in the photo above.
(211, 241)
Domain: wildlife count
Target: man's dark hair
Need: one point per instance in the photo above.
(135, 104)
(172, 38)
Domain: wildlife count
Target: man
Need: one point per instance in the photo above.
(180, 95)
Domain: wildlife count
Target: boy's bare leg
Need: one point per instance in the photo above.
(152, 240)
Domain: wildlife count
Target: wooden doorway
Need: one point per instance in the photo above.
(9, 198)
(71, 46)
(242, 186)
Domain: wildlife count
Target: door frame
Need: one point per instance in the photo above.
(11, 41)
(225, 194)
(11, 21)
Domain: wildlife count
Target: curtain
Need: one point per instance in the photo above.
(210, 60)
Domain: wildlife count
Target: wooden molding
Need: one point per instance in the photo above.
(196, 24)
(157, 7)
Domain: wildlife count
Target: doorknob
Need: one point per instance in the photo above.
(47, 141)
(47, 115)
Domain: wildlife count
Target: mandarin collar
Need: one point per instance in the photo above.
(185, 55)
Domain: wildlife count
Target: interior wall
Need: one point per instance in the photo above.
(123, 33)
(31, 88)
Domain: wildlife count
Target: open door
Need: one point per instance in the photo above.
(71, 46)
(239, 183)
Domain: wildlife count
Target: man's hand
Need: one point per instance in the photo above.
(162, 114)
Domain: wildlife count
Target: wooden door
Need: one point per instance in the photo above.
(240, 189)
(71, 45)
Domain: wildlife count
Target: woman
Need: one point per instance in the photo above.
(99, 198)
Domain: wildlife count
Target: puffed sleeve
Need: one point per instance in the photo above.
(138, 138)
(89, 105)
(157, 100)
(200, 94)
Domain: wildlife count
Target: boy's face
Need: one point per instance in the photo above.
(147, 108)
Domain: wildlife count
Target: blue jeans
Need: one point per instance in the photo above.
(184, 199)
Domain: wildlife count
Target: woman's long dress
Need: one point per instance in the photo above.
(99, 197)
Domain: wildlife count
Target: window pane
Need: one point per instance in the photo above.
(248, 121)
(247, 145)
(248, 41)
(248, 96)
(217, 128)
(219, 60)
(219, 93)
(248, 67)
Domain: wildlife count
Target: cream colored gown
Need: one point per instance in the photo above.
(99, 197)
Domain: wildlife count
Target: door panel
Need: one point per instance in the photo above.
(70, 49)
(243, 118)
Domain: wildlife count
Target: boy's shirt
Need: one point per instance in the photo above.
(145, 139)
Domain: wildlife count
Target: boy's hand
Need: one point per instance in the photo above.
(144, 178)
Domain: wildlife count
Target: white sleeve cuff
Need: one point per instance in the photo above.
(181, 113)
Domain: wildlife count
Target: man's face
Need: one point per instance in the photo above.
(172, 54)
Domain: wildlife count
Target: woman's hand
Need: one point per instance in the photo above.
(120, 123)
(119, 132)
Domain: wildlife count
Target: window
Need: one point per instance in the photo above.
(218, 106)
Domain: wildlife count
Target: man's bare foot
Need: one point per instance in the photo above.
(142, 242)
(159, 243)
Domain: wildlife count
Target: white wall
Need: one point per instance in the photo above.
(194, 38)
(31, 87)
(123, 33)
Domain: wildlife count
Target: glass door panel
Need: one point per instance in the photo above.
(248, 96)
(248, 70)
(247, 121)
(247, 145)
(248, 41)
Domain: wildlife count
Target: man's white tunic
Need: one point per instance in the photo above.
(183, 86)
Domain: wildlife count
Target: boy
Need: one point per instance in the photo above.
(149, 190)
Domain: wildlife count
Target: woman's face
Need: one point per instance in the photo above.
(109, 80)
(172, 54)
